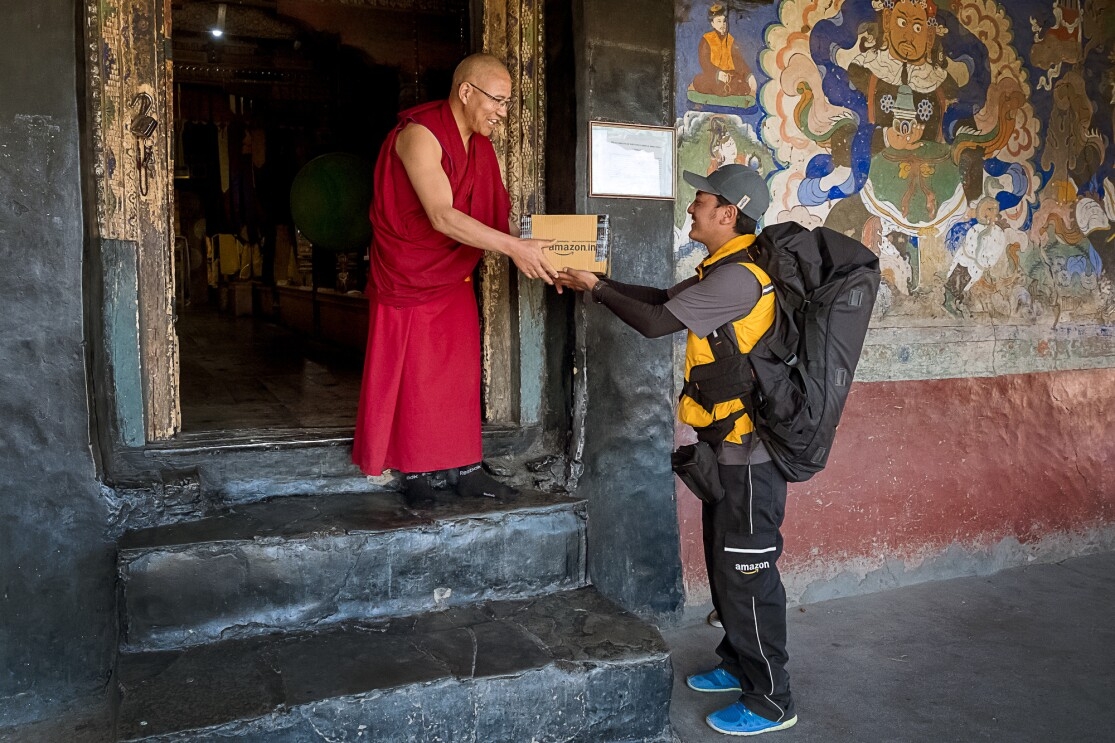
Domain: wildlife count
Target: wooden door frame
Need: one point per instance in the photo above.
(125, 57)
(512, 306)
(126, 46)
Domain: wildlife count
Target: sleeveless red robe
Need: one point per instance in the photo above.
(420, 399)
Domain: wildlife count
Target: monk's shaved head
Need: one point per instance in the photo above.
(478, 68)
(481, 95)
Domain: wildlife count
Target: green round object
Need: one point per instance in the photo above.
(329, 202)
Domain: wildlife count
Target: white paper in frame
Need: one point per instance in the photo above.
(631, 161)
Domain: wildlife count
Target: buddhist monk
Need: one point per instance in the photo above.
(439, 203)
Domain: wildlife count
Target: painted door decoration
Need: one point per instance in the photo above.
(966, 142)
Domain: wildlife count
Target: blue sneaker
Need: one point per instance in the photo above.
(738, 720)
(712, 681)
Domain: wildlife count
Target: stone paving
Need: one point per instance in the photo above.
(1026, 654)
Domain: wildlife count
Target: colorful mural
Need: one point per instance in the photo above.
(967, 142)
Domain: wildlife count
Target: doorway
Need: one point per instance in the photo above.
(152, 224)
(272, 325)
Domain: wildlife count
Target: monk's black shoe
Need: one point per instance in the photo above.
(418, 490)
(474, 482)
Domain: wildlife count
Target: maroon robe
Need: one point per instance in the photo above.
(420, 399)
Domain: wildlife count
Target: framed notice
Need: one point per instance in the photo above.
(631, 161)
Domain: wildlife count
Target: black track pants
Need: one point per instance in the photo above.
(743, 541)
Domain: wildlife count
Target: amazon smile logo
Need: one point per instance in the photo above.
(571, 248)
(750, 568)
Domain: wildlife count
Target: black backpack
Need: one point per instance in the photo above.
(794, 382)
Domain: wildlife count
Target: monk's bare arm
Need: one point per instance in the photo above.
(420, 153)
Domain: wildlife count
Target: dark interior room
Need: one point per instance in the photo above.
(280, 107)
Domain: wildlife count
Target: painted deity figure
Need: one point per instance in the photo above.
(908, 81)
(981, 249)
(1072, 149)
(723, 149)
(723, 72)
(1058, 45)
(894, 266)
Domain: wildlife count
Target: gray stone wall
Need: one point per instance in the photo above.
(57, 631)
(624, 73)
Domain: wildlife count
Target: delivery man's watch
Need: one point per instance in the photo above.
(596, 290)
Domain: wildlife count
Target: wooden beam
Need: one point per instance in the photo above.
(512, 306)
(127, 60)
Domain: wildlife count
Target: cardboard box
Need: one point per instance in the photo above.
(582, 239)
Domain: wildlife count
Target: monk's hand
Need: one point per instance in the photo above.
(529, 258)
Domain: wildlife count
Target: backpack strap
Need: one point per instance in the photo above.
(722, 341)
(719, 381)
(788, 356)
(811, 329)
(736, 256)
(715, 433)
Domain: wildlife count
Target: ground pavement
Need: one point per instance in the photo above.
(1027, 654)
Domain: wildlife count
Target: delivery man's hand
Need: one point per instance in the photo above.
(576, 279)
(528, 258)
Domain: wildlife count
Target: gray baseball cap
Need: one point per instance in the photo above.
(737, 183)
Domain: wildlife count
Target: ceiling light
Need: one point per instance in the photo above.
(219, 30)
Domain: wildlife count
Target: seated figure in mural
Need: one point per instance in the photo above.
(906, 130)
(723, 73)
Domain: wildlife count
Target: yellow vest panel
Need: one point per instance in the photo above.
(749, 329)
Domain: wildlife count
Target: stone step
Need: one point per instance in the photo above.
(570, 666)
(246, 466)
(196, 475)
(300, 561)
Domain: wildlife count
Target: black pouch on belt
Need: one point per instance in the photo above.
(696, 465)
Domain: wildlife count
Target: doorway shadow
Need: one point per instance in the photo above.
(241, 373)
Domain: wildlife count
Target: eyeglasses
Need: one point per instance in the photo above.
(504, 103)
